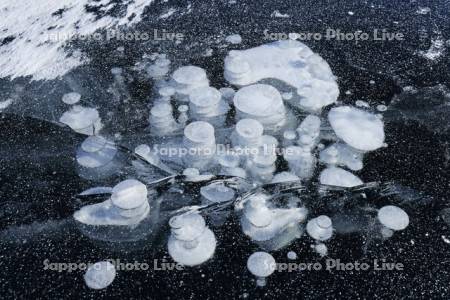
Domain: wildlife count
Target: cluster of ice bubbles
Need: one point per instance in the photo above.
(283, 92)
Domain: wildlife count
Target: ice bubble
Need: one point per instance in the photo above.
(191, 242)
(339, 177)
(227, 93)
(321, 249)
(343, 155)
(292, 255)
(393, 217)
(234, 39)
(217, 192)
(261, 264)
(206, 104)
(289, 136)
(191, 172)
(71, 98)
(83, 120)
(257, 212)
(100, 275)
(320, 228)
(359, 129)
(199, 133)
(187, 78)
(381, 107)
(288, 61)
(129, 194)
(5, 104)
(261, 102)
(166, 91)
(96, 157)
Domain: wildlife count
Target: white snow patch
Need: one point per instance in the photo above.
(169, 13)
(38, 51)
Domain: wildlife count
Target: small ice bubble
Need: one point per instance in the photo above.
(381, 107)
(234, 39)
(321, 249)
(361, 103)
(261, 264)
(71, 98)
(393, 217)
(339, 177)
(292, 255)
(320, 228)
(386, 232)
(351, 13)
(100, 275)
(227, 93)
(372, 81)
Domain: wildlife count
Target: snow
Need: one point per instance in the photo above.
(320, 228)
(359, 129)
(40, 52)
(393, 217)
(261, 264)
(234, 39)
(289, 61)
(339, 177)
(100, 275)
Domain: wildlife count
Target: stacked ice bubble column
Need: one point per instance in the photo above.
(301, 161)
(191, 242)
(217, 193)
(262, 265)
(237, 69)
(84, 120)
(165, 95)
(97, 158)
(158, 71)
(263, 103)
(121, 218)
(200, 144)
(271, 228)
(206, 104)
(162, 121)
(186, 79)
(248, 134)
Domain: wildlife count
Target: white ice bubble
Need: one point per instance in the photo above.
(234, 39)
(339, 177)
(261, 264)
(292, 255)
(320, 228)
(359, 129)
(100, 275)
(84, 120)
(129, 194)
(393, 217)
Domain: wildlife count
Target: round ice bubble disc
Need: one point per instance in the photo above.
(260, 100)
(261, 264)
(161, 110)
(205, 96)
(320, 228)
(100, 275)
(393, 217)
(188, 226)
(292, 255)
(93, 143)
(166, 91)
(217, 193)
(269, 141)
(249, 128)
(339, 177)
(359, 129)
(193, 253)
(189, 74)
(129, 194)
(71, 98)
(199, 132)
